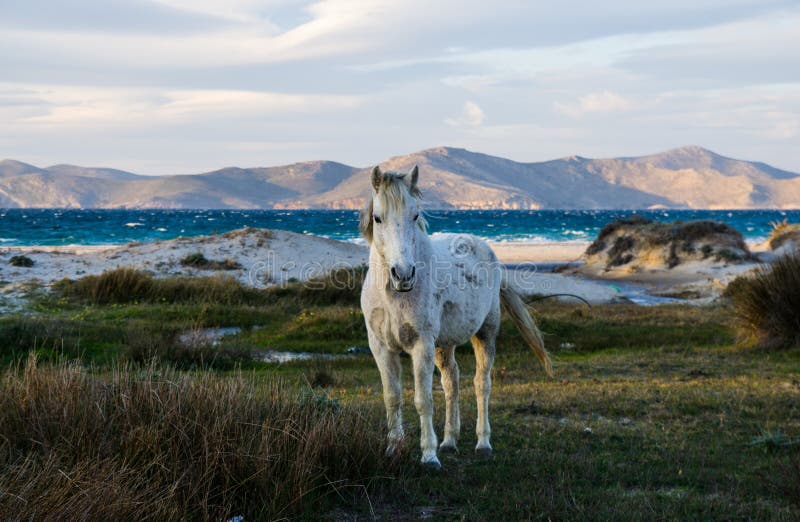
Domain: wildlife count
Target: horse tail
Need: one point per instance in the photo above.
(524, 322)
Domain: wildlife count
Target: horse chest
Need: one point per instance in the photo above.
(399, 331)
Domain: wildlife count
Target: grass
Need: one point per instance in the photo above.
(783, 232)
(128, 285)
(655, 413)
(767, 305)
(153, 444)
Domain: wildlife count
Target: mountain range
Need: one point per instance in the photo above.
(686, 177)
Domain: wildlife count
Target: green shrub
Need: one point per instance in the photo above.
(21, 261)
(198, 260)
(767, 305)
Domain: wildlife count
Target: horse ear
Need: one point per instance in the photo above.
(377, 178)
(414, 176)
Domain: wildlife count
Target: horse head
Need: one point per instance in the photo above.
(391, 223)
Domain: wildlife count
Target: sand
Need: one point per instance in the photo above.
(266, 256)
(269, 257)
(521, 252)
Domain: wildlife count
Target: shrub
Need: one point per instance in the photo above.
(339, 287)
(154, 444)
(128, 285)
(21, 261)
(783, 232)
(767, 305)
(198, 260)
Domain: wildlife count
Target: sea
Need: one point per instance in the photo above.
(32, 227)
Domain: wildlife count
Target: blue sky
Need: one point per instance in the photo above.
(178, 86)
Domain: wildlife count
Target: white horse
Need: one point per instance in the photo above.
(425, 296)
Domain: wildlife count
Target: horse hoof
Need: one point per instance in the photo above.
(484, 452)
(448, 449)
(432, 465)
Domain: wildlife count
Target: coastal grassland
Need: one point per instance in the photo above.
(655, 412)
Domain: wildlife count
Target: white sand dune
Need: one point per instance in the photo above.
(269, 257)
(266, 257)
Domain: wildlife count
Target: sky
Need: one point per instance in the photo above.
(184, 86)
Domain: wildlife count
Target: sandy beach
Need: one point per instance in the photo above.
(269, 257)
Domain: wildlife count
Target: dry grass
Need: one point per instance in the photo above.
(153, 444)
(767, 305)
(128, 285)
(783, 232)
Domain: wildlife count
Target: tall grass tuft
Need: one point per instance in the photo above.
(153, 444)
(128, 285)
(767, 305)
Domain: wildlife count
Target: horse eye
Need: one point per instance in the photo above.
(416, 217)
(377, 219)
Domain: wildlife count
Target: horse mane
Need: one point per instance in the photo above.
(394, 194)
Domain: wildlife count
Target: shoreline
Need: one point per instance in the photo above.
(267, 257)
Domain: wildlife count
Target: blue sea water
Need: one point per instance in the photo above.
(28, 227)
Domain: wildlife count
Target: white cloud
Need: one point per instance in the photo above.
(596, 102)
(82, 106)
(471, 116)
(357, 80)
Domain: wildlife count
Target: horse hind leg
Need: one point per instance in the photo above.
(483, 343)
(446, 363)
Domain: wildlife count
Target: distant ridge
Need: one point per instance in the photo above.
(686, 177)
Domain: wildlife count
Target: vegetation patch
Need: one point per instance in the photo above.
(129, 285)
(642, 241)
(198, 260)
(21, 261)
(767, 304)
(153, 444)
(654, 413)
(784, 234)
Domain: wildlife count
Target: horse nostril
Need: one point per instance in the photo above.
(413, 272)
(393, 271)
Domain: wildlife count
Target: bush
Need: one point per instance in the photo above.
(128, 285)
(21, 261)
(153, 444)
(198, 260)
(767, 305)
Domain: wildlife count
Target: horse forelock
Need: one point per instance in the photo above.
(394, 195)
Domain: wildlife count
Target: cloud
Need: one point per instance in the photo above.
(596, 102)
(471, 116)
(118, 107)
(358, 80)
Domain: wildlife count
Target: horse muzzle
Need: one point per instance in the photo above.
(403, 280)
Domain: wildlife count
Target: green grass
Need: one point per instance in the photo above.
(683, 423)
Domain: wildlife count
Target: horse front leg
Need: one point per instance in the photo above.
(389, 367)
(423, 358)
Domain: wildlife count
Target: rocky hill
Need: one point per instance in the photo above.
(687, 177)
